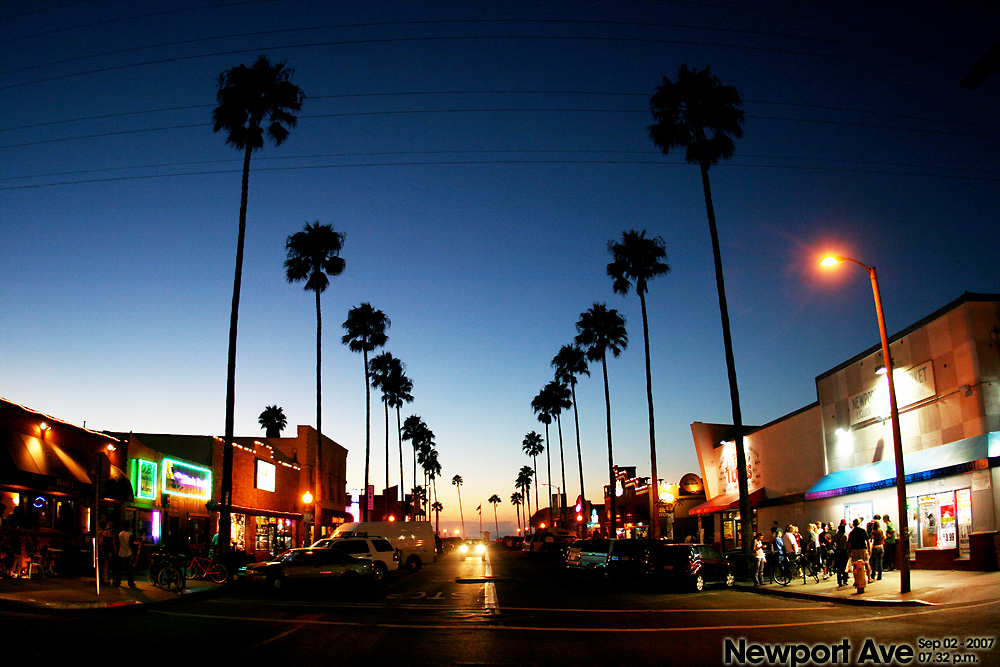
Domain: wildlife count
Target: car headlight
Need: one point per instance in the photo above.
(480, 549)
(463, 548)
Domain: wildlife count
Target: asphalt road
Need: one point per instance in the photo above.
(509, 610)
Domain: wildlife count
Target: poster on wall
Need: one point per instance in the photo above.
(963, 509)
(927, 506)
(912, 524)
(947, 528)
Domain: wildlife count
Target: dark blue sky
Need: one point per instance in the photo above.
(479, 157)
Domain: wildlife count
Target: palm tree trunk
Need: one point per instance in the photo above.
(534, 460)
(562, 465)
(548, 462)
(368, 435)
(496, 521)
(734, 391)
(461, 513)
(654, 489)
(318, 482)
(613, 512)
(225, 528)
(579, 452)
(402, 480)
(386, 494)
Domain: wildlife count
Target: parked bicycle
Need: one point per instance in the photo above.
(793, 566)
(201, 567)
(165, 571)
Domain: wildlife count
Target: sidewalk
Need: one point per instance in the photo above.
(58, 593)
(927, 587)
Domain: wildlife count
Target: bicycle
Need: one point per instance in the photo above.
(201, 567)
(807, 567)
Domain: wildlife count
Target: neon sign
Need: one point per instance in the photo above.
(185, 479)
(145, 481)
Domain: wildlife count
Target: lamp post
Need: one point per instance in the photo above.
(558, 489)
(307, 499)
(897, 439)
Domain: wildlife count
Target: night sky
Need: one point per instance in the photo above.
(478, 156)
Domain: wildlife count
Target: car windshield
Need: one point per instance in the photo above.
(675, 553)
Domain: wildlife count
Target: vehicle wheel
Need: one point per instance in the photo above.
(276, 582)
(219, 573)
(380, 570)
(191, 572)
(153, 574)
(699, 582)
(170, 579)
(413, 563)
(730, 580)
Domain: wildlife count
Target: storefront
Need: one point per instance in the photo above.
(834, 459)
(57, 483)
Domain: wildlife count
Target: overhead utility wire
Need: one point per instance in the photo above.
(161, 61)
(351, 114)
(446, 163)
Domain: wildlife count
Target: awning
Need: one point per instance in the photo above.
(726, 501)
(942, 461)
(31, 463)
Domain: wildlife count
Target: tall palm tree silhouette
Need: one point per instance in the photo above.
(532, 446)
(365, 328)
(313, 255)
(523, 482)
(701, 115)
(253, 102)
(558, 399)
(515, 500)
(569, 362)
(601, 330)
(495, 500)
(457, 481)
(384, 369)
(272, 420)
(637, 260)
(542, 405)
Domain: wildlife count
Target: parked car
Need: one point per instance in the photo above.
(472, 549)
(377, 549)
(590, 553)
(308, 565)
(691, 565)
(414, 539)
(627, 559)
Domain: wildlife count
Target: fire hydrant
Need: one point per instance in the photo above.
(860, 568)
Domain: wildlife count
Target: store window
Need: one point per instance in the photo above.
(274, 535)
(860, 511)
(198, 536)
(942, 517)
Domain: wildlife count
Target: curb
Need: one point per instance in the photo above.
(20, 603)
(821, 597)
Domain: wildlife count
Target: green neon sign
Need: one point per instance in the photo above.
(185, 479)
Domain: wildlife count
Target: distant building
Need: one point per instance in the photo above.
(632, 506)
(833, 459)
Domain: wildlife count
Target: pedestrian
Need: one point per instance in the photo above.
(758, 550)
(125, 561)
(877, 550)
(840, 554)
(107, 543)
(890, 544)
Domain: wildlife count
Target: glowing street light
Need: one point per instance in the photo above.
(897, 439)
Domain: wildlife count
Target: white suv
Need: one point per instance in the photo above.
(376, 549)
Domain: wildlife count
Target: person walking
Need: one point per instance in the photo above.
(108, 552)
(125, 562)
(890, 544)
(877, 549)
(758, 551)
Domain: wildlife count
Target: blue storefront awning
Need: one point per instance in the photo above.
(942, 461)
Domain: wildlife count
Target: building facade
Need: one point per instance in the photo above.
(834, 459)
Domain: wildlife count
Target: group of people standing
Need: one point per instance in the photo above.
(119, 552)
(831, 548)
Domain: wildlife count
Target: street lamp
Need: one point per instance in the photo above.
(897, 439)
(559, 495)
(307, 499)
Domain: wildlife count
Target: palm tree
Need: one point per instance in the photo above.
(366, 332)
(701, 115)
(438, 508)
(638, 260)
(385, 369)
(558, 399)
(418, 497)
(272, 420)
(457, 481)
(569, 362)
(515, 500)
(523, 482)
(541, 404)
(599, 330)
(312, 255)
(532, 446)
(495, 500)
(252, 102)
(432, 468)
(415, 430)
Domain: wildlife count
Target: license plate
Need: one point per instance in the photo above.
(668, 567)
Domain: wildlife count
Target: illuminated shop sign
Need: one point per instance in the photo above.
(265, 475)
(145, 480)
(912, 386)
(184, 479)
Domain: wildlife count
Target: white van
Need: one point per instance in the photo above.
(414, 540)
